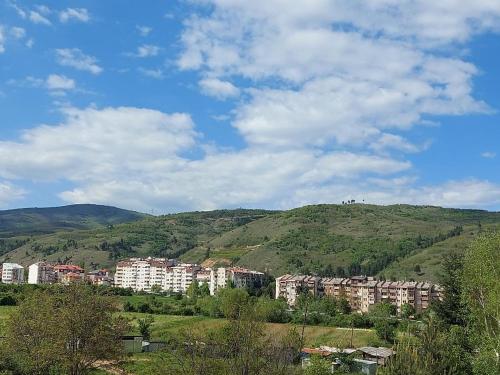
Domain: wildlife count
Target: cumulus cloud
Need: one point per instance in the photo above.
(135, 158)
(38, 18)
(9, 194)
(489, 154)
(218, 89)
(60, 82)
(152, 73)
(76, 14)
(144, 30)
(331, 84)
(17, 32)
(75, 58)
(147, 50)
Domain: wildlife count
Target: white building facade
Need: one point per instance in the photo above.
(12, 273)
(41, 273)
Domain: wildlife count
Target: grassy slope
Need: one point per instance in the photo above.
(335, 235)
(30, 221)
(299, 240)
(168, 235)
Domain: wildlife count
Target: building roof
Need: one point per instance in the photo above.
(324, 353)
(380, 352)
(68, 267)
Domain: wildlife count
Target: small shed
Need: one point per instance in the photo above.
(379, 355)
(365, 367)
(152, 346)
(132, 344)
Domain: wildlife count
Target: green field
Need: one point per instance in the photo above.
(167, 325)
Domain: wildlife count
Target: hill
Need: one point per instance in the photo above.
(399, 241)
(32, 221)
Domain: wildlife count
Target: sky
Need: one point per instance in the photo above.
(169, 106)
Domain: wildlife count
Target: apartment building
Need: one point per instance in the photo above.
(203, 276)
(63, 269)
(362, 292)
(100, 277)
(239, 277)
(41, 273)
(290, 287)
(141, 274)
(12, 273)
(178, 279)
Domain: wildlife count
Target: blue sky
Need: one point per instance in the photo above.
(169, 106)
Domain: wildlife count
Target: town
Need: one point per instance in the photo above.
(169, 275)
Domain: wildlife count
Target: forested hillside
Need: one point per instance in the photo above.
(32, 221)
(399, 241)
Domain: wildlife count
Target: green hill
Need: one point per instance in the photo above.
(32, 221)
(400, 241)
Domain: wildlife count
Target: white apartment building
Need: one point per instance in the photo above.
(41, 273)
(141, 274)
(12, 273)
(239, 277)
(179, 278)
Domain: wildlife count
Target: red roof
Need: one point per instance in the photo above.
(68, 267)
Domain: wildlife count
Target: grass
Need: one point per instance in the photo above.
(168, 325)
(5, 311)
(165, 326)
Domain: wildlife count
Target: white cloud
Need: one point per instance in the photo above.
(37, 18)
(489, 154)
(17, 32)
(218, 89)
(75, 58)
(59, 82)
(43, 9)
(20, 12)
(77, 14)
(390, 141)
(144, 30)
(135, 158)
(332, 86)
(147, 50)
(152, 73)
(9, 193)
(461, 193)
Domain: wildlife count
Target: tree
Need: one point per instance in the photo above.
(193, 290)
(241, 346)
(67, 328)
(156, 289)
(383, 323)
(233, 302)
(204, 290)
(407, 310)
(318, 366)
(451, 309)
(481, 296)
(145, 326)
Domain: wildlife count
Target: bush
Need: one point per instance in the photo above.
(8, 300)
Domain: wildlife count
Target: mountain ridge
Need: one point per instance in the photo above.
(388, 241)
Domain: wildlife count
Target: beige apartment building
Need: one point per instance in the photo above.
(362, 292)
(239, 277)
